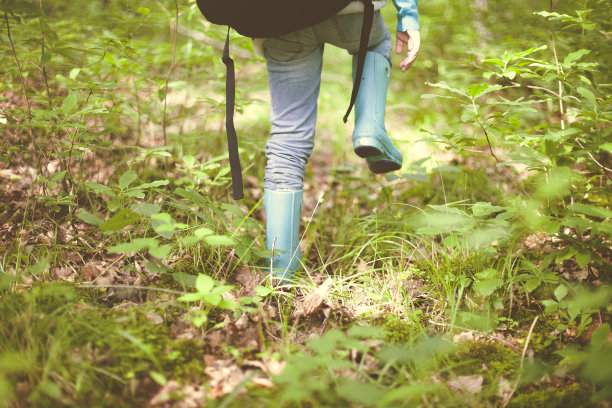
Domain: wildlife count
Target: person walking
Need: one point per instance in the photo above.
(294, 64)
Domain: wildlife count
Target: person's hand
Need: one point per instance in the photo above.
(412, 40)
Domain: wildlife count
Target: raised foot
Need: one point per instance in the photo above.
(382, 165)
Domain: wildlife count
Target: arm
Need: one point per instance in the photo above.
(407, 31)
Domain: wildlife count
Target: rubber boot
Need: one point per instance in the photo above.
(283, 209)
(370, 138)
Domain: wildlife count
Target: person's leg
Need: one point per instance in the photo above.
(294, 66)
(370, 138)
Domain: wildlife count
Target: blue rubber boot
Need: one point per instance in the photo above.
(283, 209)
(370, 139)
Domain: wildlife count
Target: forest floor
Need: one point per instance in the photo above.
(136, 281)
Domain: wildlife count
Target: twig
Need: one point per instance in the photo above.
(541, 88)
(23, 85)
(202, 38)
(559, 70)
(518, 378)
(90, 286)
(42, 59)
(172, 63)
(606, 170)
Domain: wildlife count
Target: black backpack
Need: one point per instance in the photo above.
(271, 18)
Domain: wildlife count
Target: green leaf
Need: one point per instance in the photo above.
(219, 240)
(591, 210)
(482, 209)
(199, 320)
(165, 225)
(599, 338)
(573, 57)
(202, 232)
(550, 305)
(122, 219)
(88, 217)
(560, 292)
(565, 253)
(184, 279)
(189, 240)
(135, 193)
(588, 95)
(160, 251)
(197, 236)
(145, 209)
(263, 291)
(204, 283)
(39, 267)
(158, 377)
(100, 188)
(191, 297)
(58, 176)
(532, 283)
(126, 179)
(360, 392)
(193, 196)
(135, 245)
(476, 90)
(367, 332)
(583, 258)
(488, 273)
(69, 102)
(487, 287)
(607, 147)
(443, 85)
(153, 184)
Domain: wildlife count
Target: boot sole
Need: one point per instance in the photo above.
(367, 151)
(383, 166)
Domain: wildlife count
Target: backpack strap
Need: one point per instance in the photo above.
(366, 27)
(232, 138)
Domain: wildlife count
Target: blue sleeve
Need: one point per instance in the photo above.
(407, 14)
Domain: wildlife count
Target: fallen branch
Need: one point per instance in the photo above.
(218, 44)
(518, 378)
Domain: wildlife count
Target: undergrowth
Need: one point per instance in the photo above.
(478, 275)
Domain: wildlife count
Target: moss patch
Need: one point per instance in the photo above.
(489, 359)
(575, 396)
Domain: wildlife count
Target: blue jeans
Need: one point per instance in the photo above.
(294, 64)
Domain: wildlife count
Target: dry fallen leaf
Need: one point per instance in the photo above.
(249, 279)
(64, 273)
(313, 300)
(164, 394)
(172, 394)
(504, 390)
(194, 396)
(154, 317)
(90, 271)
(469, 383)
(225, 376)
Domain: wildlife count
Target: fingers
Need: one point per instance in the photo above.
(399, 45)
(412, 39)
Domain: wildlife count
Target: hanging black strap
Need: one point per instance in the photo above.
(232, 138)
(366, 27)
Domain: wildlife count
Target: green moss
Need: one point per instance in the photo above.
(489, 359)
(166, 278)
(398, 330)
(575, 396)
(543, 341)
(185, 359)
